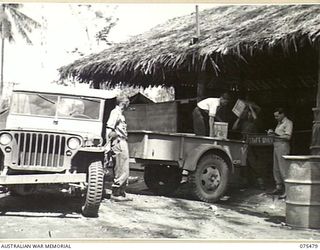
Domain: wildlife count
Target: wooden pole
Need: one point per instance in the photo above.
(318, 85)
(315, 139)
(201, 85)
(197, 22)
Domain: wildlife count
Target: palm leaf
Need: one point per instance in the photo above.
(27, 20)
(24, 34)
(13, 5)
(24, 24)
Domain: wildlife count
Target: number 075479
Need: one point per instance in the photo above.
(309, 246)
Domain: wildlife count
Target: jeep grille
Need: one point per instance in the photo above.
(40, 149)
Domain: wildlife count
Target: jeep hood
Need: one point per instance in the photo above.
(85, 128)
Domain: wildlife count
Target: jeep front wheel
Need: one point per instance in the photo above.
(94, 191)
(210, 179)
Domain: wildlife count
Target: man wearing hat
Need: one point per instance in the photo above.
(207, 112)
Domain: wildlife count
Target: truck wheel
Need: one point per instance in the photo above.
(210, 179)
(162, 180)
(95, 188)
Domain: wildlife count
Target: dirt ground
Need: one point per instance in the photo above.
(242, 214)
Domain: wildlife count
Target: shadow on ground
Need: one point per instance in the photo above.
(250, 201)
(58, 203)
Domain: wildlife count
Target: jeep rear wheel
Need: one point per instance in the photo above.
(210, 179)
(161, 179)
(94, 191)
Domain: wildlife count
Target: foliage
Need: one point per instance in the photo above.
(97, 21)
(156, 94)
(103, 34)
(10, 14)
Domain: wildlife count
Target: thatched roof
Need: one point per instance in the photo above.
(231, 36)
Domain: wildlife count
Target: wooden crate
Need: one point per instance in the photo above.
(154, 117)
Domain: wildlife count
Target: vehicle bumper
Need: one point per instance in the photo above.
(42, 178)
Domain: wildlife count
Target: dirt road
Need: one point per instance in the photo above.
(248, 214)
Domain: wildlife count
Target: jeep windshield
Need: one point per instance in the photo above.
(68, 107)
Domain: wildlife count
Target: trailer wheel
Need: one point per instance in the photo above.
(95, 189)
(210, 179)
(162, 179)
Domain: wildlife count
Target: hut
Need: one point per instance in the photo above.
(271, 51)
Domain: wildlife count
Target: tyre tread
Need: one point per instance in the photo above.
(196, 192)
(95, 189)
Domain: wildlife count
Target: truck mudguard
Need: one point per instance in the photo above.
(194, 156)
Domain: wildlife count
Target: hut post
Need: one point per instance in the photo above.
(315, 139)
(201, 85)
(318, 85)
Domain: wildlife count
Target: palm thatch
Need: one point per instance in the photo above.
(231, 36)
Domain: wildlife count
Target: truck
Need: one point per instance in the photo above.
(54, 136)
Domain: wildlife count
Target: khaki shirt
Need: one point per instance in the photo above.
(117, 122)
(284, 127)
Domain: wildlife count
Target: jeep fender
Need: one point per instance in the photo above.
(194, 156)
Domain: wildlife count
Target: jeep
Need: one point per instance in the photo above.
(55, 137)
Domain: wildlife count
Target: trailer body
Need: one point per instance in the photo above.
(208, 161)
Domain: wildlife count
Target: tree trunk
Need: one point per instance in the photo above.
(315, 139)
(2, 61)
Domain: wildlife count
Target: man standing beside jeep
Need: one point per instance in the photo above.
(117, 136)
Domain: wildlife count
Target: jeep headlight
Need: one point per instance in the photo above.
(5, 138)
(74, 143)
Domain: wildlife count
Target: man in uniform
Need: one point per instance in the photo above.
(207, 112)
(117, 135)
(282, 136)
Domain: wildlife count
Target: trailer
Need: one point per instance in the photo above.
(208, 162)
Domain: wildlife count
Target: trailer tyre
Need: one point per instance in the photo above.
(210, 179)
(95, 189)
(162, 180)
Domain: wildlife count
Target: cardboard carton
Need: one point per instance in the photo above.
(239, 107)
